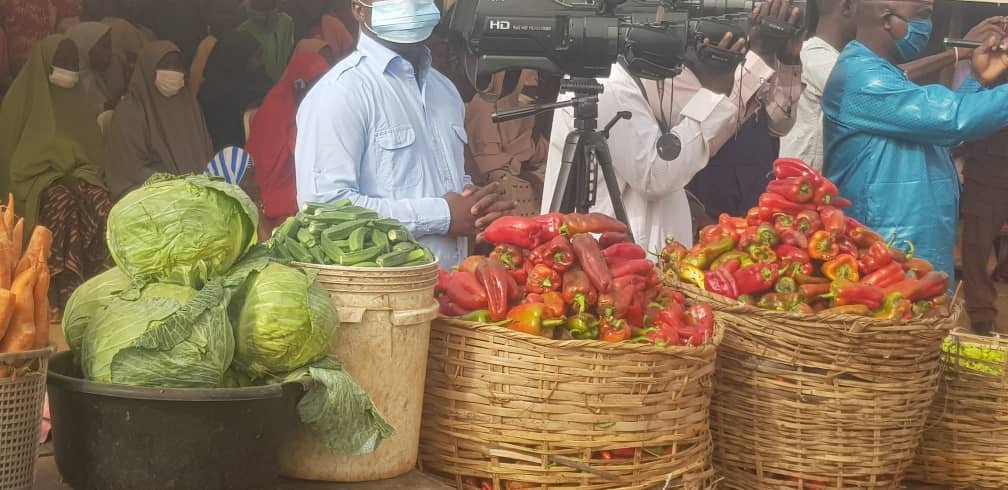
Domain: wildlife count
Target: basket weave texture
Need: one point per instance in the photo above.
(21, 399)
(825, 402)
(512, 407)
(966, 441)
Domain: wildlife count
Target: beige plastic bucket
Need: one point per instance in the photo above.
(385, 318)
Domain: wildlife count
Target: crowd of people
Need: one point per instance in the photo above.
(318, 100)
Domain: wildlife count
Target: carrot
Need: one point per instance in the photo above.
(9, 214)
(39, 246)
(6, 310)
(20, 334)
(41, 297)
(17, 237)
(6, 266)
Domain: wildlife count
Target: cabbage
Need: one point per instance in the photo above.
(170, 336)
(89, 300)
(285, 321)
(182, 230)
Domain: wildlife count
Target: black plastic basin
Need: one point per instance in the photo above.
(116, 437)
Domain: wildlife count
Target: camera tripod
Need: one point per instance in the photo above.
(585, 151)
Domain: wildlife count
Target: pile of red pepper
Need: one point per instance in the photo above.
(797, 251)
(550, 276)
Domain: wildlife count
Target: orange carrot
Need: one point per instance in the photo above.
(41, 297)
(39, 246)
(6, 266)
(17, 238)
(21, 331)
(9, 214)
(6, 310)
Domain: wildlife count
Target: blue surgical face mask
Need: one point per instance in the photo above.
(913, 45)
(403, 21)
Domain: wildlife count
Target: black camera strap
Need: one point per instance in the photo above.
(668, 146)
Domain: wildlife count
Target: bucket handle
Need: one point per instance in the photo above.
(400, 318)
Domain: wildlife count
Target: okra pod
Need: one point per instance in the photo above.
(298, 252)
(357, 238)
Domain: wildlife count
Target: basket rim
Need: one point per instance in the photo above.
(719, 331)
(821, 320)
(343, 268)
(996, 341)
(44, 352)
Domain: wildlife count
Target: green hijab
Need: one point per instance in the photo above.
(46, 133)
(275, 33)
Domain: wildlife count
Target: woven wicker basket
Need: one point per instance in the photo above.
(827, 401)
(21, 398)
(511, 407)
(966, 441)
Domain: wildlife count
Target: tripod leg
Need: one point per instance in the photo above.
(600, 148)
(565, 196)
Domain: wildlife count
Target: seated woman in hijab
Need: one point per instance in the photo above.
(234, 82)
(158, 127)
(50, 143)
(273, 135)
(221, 16)
(102, 73)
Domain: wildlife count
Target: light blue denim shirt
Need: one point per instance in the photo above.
(390, 140)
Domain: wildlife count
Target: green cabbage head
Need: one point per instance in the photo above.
(182, 230)
(88, 301)
(283, 321)
(171, 336)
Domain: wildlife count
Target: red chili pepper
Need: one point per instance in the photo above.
(443, 277)
(795, 189)
(530, 318)
(756, 278)
(842, 203)
(622, 252)
(542, 279)
(733, 223)
(721, 281)
(449, 309)
(699, 325)
(933, 284)
(514, 230)
(853, 293)
(556, 254)
(886, 276)
(616, 303)
(861, 235)
(785, 168)
(614, 330)
(812, 292)
(843, 267)
(822, 246)
(907, 288)
(465, 290)
(832, 219)
(578, 290)
(895, 307)
(793, 254)
(499, 286)
(638, 267)
(703, 255)
(771, 204)
(875, 257)
(808, 222)
(551, 225)
(592, 262)
(576, 224)
(742, 259)
(714, 233)
(471, 263)
(610, 239)
(826, 193)
(920, 267)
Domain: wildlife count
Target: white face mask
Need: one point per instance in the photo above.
(63, 78)
(169, 82)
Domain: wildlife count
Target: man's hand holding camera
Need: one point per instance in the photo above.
(775, 32)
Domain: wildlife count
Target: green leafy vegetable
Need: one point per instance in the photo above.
(181, 230)
(88, 301)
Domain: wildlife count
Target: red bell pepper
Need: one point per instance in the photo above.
(796, 270)
(638, 267)
(614, 330)
(783, 221)
(826, 193)
(713, 233)
(753, 217)
(795, 189)
(551, 224)
(875, 257)
(808, 222)
(578, 290)
(863, 236)
(832, 219)
(542, 279)
(609, 239)
(721, 281)
(793, 254)
(521, 275)
(554, 302)
(592, 261)
(703, 255)
(795, 238)
(576, 224)
(672, 254)
(699, 326)
(530, 318)
(785, 285)
(844, 293)
(499, 286)
(733, 223)
(766, 235)
(843, 267)
(443, 277)
(785, 168)
(616, 303)
(886, 276)
(511, 256)
(771, 204)
(556, 254)
(471, 263)
(622, 252)
(465, 290)
(822, 246)
(449, 309)
(762, 254)
(756, 278)
(514, 230)
(846, 246)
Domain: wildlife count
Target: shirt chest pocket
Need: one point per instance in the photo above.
(400, 165)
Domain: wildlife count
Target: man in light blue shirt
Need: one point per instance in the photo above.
(387, 131)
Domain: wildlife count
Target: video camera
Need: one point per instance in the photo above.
(583, 38)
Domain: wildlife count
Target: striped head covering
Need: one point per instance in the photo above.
(230, 164)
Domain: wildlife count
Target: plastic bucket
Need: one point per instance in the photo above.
(385, 319)
(118, 437)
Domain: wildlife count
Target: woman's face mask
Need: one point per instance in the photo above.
(169, 82)
(63, 78)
